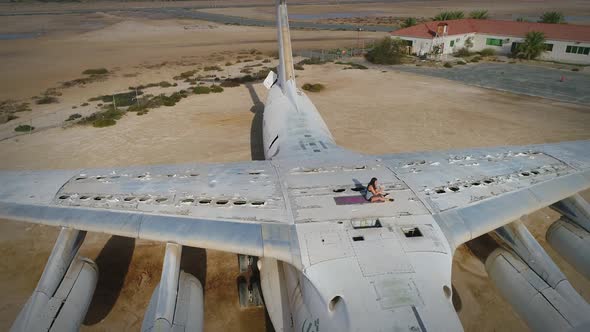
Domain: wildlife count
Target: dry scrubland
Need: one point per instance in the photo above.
(399, 111)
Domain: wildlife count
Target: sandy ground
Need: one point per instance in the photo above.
(401, 111)
(502, 9)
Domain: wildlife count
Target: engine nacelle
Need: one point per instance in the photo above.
(541, 306)
(177, 302)
(64, 292)
(572, 242)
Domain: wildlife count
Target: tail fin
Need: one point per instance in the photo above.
(286, 72)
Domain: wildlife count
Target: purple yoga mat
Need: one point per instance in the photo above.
(350, 200)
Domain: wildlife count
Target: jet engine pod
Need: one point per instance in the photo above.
(66, 308)
(572, 242)
(187, 310)
(536, 302)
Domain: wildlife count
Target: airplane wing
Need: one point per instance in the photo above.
(472, 192)
(236, 207)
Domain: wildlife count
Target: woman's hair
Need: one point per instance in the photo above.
(372, 183)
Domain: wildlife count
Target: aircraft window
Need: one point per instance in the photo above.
(205, 201)
(143, 199)
(162, 199)
(454, 188)
(412, 232)
(338, 190)
(239, 202)
(187, 200)
(440, 191)
(84, 197)
(222, 202)
(257, 203)
(64, 196)
(358, 238)
(128, 199)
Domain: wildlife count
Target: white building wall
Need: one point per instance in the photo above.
(422, 46)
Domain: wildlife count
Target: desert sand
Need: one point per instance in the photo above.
(404, 112)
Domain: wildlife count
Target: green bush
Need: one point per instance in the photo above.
(298, 66)
(487, 52)
(200, 90)
(463, 52)
(227, 64)
(448, 65)
(312, 61)
(387, 51)
(317, 87)
(46, 100)
(105, 118)
(84, 104)
(101, 123)
(74, 117)
(24, 128)
(164, 84)
(216, 89)
(212, 68)
(352, 65)
(97, 71)
(449, 15)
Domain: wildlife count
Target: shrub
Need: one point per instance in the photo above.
(475, 59)
(216, 89)
(479, 14)
(212, 68)
(487, 52)
(298, 66)
(463, 52)
(266, 61)
(227, 64)
(229, 83)
(409, 22)
(96, 71)
(24, 128)
(46, 100)
(352, 65)
(187, 74)
(105, 118)
(387, 51)
(201, 90)
(74, 117)
(101, 123)
(552, 17)
(164, 84)
(317, 87)
(312, 61)
(84, 104)
(448, 65)
(449, 15)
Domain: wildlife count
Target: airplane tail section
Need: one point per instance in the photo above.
(286, 73)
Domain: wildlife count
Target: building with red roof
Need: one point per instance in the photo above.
(564, 42)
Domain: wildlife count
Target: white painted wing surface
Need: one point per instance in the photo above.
(472, 192)
(236, 207)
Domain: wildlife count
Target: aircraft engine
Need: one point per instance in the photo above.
(543, 307)
(64, 292)
(572, 242)
(177, 301)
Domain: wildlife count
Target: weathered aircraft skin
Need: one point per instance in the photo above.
(328, 261)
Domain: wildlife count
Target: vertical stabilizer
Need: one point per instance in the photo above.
(286, 79)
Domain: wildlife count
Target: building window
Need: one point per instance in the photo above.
(549, 47)
(452, 43)
(494, 42)
(577, 50)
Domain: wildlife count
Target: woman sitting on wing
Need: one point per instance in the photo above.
(374, 192)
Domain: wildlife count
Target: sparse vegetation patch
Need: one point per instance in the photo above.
(351, 65)
(107, 117)
(24, 128)
(96, 71)
(46, 100)
(316, 87)
(200, 90)
(74, 116)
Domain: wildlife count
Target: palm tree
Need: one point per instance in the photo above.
(479, 14)
(552, 17)
(533, 45)
(408, 22)
(449, 15)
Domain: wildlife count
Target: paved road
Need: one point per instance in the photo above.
(517, 78)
